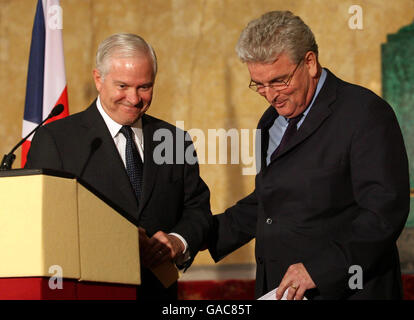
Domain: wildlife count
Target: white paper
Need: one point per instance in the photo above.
(271, 295)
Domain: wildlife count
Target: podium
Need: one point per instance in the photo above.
(60, 240)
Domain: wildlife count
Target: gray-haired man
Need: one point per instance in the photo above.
(333, 190)
(110, 146)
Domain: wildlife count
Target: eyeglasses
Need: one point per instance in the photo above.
(274, 84)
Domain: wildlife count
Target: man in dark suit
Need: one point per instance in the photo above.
(112, 147)
(332, 195)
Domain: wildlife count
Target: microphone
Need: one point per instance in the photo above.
(95, 144)
(9, 158)
(57, 110)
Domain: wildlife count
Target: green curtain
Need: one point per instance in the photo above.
(398, 90)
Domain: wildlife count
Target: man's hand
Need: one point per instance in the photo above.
(297, 280)
(158, 249)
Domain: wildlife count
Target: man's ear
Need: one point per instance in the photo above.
(311, 63)
(98, 79)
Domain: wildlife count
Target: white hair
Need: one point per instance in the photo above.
(122, 45)
(274, 33)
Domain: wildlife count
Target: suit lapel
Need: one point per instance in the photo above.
(265, 123)
(150, 167)
(316, 116)
(107, 164)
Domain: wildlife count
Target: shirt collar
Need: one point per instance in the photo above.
(318, 88)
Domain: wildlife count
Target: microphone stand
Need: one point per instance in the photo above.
(9, 158)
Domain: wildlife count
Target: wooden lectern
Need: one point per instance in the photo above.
(60, 240)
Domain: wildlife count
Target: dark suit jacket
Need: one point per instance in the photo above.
(174, 197)
(336, 196)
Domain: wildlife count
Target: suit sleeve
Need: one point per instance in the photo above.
(379, 174)
(237, 225)
(233, 228)
(43, 152)
(195, 221)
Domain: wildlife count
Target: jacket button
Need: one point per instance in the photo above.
(269, 221)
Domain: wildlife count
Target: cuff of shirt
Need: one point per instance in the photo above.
(186, 253)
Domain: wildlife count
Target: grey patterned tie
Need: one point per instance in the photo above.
(134, 165)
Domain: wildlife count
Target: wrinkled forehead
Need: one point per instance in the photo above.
(117, 59)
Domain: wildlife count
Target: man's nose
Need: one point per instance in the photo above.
(133, 97)
(271, 94)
